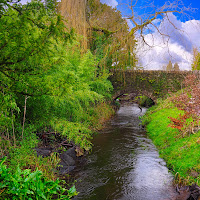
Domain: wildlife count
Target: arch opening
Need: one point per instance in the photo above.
(145, 101)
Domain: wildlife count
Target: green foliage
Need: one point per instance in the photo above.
(74, 89)
(24, 155)
(75, 132)
(46, 82)
(98, 46)
(61, 82)
(26, 34)
(102, 86)
(24, 184)
(26, 45)
(145, 101)
(8, 106)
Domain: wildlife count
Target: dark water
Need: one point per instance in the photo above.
(124, 164)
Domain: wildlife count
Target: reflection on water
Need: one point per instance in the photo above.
(124, 164)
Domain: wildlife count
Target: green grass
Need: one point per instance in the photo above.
(182, 154)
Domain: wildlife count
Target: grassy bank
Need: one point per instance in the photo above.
(179, 148)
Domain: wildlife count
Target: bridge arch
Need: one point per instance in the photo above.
(154, 84)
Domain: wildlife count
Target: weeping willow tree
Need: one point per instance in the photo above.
(74, 12)
(117, 45)
(105, 32)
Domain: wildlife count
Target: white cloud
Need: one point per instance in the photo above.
(112, 3)
(130, 24)
(24, 1)
(183, 36)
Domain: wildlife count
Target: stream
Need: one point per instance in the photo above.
(124, 163)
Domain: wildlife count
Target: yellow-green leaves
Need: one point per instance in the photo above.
(26, 185)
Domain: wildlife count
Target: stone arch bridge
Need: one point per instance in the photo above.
(153, 84)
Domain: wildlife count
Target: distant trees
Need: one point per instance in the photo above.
(170, 67)
(196, 59)
(176, 67)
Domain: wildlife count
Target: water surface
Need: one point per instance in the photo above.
(124, 163)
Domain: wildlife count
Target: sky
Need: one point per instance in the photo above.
(183, 34)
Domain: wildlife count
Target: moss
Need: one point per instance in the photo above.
(154, 83)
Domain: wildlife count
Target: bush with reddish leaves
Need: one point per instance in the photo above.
(189, 101)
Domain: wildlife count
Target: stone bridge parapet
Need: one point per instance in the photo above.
(153, 84)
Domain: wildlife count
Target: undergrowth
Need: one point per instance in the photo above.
(27, 185)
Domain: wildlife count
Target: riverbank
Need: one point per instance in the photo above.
(177, 145)
(124, 163)
(69, 154)
(48, 154)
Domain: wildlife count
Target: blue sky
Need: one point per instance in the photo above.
(124, 10)
(120, 5)
(183, 35)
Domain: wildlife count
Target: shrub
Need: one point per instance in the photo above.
(145, 101)
(24, 184)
